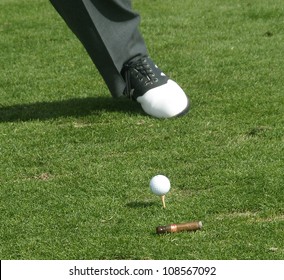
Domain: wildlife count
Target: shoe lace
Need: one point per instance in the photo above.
(143, 73)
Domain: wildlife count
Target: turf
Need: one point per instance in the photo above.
(76, 164)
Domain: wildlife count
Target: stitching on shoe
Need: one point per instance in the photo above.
(141, 72)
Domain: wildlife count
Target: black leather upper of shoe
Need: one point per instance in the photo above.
(141, 76)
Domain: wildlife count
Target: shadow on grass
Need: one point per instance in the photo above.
(76, 107)
(139, 204)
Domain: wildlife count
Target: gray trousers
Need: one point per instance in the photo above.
(109, 31)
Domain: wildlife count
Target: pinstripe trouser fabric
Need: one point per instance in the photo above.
(109, 31)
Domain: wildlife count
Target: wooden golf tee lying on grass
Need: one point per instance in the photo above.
(163, 201)
(190, 226)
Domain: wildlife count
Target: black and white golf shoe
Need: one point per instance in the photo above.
(158, 95)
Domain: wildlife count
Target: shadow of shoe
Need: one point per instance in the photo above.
(76, 107)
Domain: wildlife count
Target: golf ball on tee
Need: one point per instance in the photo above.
(160, 185)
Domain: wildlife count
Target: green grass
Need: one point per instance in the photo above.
(76, 164)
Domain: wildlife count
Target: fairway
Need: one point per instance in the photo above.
(76, 163)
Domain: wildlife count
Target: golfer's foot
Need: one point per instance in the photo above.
(158, 95)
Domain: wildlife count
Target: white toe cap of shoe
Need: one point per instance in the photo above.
(165, 101)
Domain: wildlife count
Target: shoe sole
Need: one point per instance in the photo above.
(185, 111)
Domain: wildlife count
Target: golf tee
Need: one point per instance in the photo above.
(163, 201)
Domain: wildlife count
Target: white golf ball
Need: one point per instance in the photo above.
(160, 185)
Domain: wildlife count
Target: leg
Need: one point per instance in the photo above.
(108, 29)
